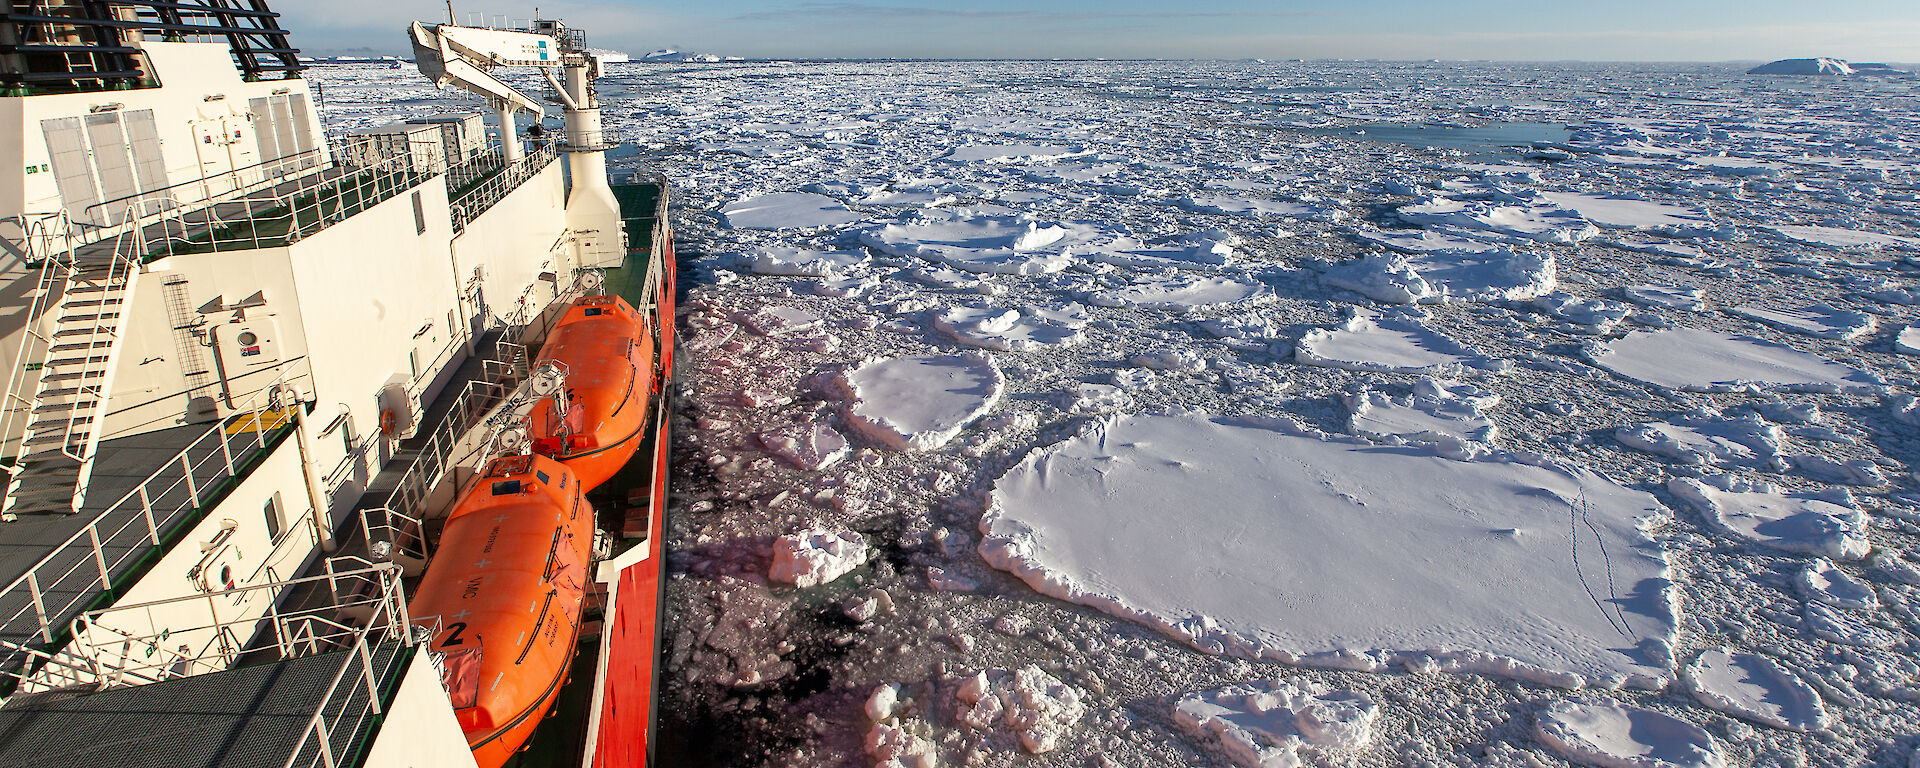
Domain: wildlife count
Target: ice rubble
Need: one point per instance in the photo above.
(787, 210)
(1305, 528)
(1744, 441)
(1710, 361)
(1034, 706)
(1268, 724)
(919, 403)
(1183, 293)
(816, 556)
(1756, 688)
(1608, 735)
(801, 262)
(1825, 524)
(1395, 343)
(1023, 330)
(1450, 275)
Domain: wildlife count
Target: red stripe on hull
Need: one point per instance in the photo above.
(626, 714)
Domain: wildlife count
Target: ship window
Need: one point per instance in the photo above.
(506, 488)
(543, 476)
(274, 523)
(419, 215)
(592, 311)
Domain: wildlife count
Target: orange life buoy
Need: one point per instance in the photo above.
(389, 422)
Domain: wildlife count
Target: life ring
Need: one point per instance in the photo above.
(389, 422)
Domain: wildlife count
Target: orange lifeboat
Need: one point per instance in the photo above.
(608, 350)
(507, 584)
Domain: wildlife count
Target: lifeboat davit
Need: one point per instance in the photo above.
(507, 584)
(608, 350)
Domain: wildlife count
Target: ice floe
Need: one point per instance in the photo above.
(1608, 735)
(1818, 320)
(800, 262)
(1274, 724)
(1481, 276)
(1710, 361)
(1304, 528)
(1021, 330)
(1742, 441)
(1754, 687)
(1908, 340)
(919, 403)
(787, 210)
(1389, 343)
(1184, 293)
(1439, 411)
(1668, 296)
(1615, 211)
(1826, 524)
(975, 242)
(1831, 237)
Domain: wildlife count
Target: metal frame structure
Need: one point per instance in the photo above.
(85, 44)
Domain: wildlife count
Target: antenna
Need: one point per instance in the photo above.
(450, 18)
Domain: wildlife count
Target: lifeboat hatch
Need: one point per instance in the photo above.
(243, 348)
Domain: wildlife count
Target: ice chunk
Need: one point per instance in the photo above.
(1387, 343)
(919, 403)
(1608, 735)
(1175, 360)
(1269, 724)
(1146, 517)
(1589, 315)
(1182, 293)
(815, 556)
(787, 210)
(781, 321)
(1011, 153)
(1536, 220)
(1818, 320)
(1034, 706)
(1710, 361)
(807, 446)
(1381, 277)
(1846, 628)
(799, 262)
(1756, 688)
(1846, 471)
(1793, 522)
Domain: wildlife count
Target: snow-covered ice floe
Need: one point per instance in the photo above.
(787, 210)
(1612, 736)
(1429, 278)
(919, 403)
(1698, 360)
(1624, 212)
(1389, 343)
(1020, 330)
(800, 262)
(1818, 320)
(816, 556)
(979, 242)
(1908, 341)
(1830, 237)
(1756, 688)
(1270, 724)
(1185, 293)
(1745, 441)
(1827, 524)
(1260, 539)
(1450, 413)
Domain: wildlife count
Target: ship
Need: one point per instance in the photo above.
(323, 448)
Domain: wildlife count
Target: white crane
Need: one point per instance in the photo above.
(464, 57)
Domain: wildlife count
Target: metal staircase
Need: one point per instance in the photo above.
(66, 361)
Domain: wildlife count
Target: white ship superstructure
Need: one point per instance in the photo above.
(221, 325)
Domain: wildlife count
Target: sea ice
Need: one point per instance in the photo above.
(919, 403)
(1908, 342)
(1828, 525)
(1830, 237)
(1423, 241)
(1818, 320)
(1536, 220)
(781, 321)
(1669, 296)
(1258, 206)
(800, 262)
(1269, 724)
(1745, 441)
(1260, 542)
(1709, 361)
(1756, 688)
(1622, 212)
(1022, 330)
(1034, 706)
(816, 556)
(1588, 315)
(1388, 343)
(1184, 293)
(1608, 735)
(1823, 582)
(1011, 153)
(975, 242)
(807, 446)
(787, 210)
(1440, 411)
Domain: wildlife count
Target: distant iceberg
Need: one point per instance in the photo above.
(669, 55)
(1820, 66)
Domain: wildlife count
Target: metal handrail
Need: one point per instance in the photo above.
(91, 536)
(468, 205)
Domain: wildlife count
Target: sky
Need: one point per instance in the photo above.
(1530, 30)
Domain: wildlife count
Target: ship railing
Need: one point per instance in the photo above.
(441, 453)
(75, 571)
(196, 634)
(468, 204)
(185, 204)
